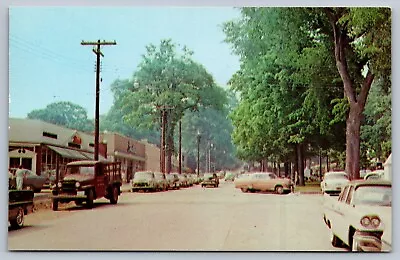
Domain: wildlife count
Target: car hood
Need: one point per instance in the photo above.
(78, 177)
(336, 182)
(141, 180)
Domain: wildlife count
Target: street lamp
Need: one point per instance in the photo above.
(198, 152)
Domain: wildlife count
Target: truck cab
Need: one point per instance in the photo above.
(85, 181)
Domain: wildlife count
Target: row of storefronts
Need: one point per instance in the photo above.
(37, 145)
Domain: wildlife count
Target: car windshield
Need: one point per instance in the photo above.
(88, 170)
(143, 175)
(208, 175)
(373, 195)
(336, 176)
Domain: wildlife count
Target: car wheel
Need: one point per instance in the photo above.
(89, 199)
(279, 190)
(244, 189)
(114, 196)
(18, 222)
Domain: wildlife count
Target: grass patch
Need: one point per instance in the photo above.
(314, 187)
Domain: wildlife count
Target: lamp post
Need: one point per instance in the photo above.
(198, 152)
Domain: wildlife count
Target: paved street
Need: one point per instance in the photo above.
(195, 218)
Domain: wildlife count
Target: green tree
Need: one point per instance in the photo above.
(66, 114)
(166, 84)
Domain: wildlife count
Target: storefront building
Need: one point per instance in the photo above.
(130, 152)
(37, 145)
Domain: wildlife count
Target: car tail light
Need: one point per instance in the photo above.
(370, 222)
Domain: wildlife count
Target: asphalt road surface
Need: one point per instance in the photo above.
(195, 219)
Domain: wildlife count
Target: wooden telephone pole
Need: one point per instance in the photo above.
(98, 52)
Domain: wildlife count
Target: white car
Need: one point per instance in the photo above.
(334, 182)
(361, 217)
(378, 174)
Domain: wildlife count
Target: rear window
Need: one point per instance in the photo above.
(373, 195)
(336, 176)
(143, 175)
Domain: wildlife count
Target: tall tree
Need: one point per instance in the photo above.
(362, 50)
(166, 84)
(66, 114)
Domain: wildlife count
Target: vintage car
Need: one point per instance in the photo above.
(378, 174)
(144, 181)
(361, 216)
(230, 176)
(173, 180)
(333, 182)
(263, 181)
(161, 181)
(183, 180)
(31, 181)
(210, 179)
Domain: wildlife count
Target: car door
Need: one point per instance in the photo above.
(345, 217)
(337, 219)
(261, 182)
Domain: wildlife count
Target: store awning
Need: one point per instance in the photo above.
(90, 156)
(128, 156)
(68, 153)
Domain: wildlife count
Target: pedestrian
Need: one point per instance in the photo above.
(19, 175)
(296, 178)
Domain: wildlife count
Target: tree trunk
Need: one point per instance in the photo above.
(353, 142)
(286, 169)
(300, 164)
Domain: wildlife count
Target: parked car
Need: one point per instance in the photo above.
(173, 180)
(183, 181)
(210, 179)
(333, 182)
(361, 217)
(31, 181)
(264, 181)
(144, 181)
(50, 176)
(240, 181)
(378, 174)
(230, 176)
(161, 181)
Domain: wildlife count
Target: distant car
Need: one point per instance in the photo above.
(333, 182)
(31, 181)
(210, 179)
(264, 181)
(230, 176)
(173, 180)
(161, 181)
(378, 174)
(144, 181)
(183, 180)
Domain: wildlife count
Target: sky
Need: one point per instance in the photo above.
(48, 64)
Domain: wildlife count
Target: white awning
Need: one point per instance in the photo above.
(68, 153)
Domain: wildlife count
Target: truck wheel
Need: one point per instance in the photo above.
(279, 190)
(89, 199)
(114, 195)
(18, 221)
(55, 205)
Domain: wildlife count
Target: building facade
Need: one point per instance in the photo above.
(38, 145)
(130, 152)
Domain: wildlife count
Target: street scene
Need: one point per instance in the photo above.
(261, 129)
(214, 219)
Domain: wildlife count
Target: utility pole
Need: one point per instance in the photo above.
(98, 52)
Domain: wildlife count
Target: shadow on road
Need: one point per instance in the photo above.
(95, 206)
(26, 227)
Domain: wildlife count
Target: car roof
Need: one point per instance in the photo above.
(373, 182)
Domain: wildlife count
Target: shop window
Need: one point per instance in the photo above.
(50, 135)
(70, 144)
